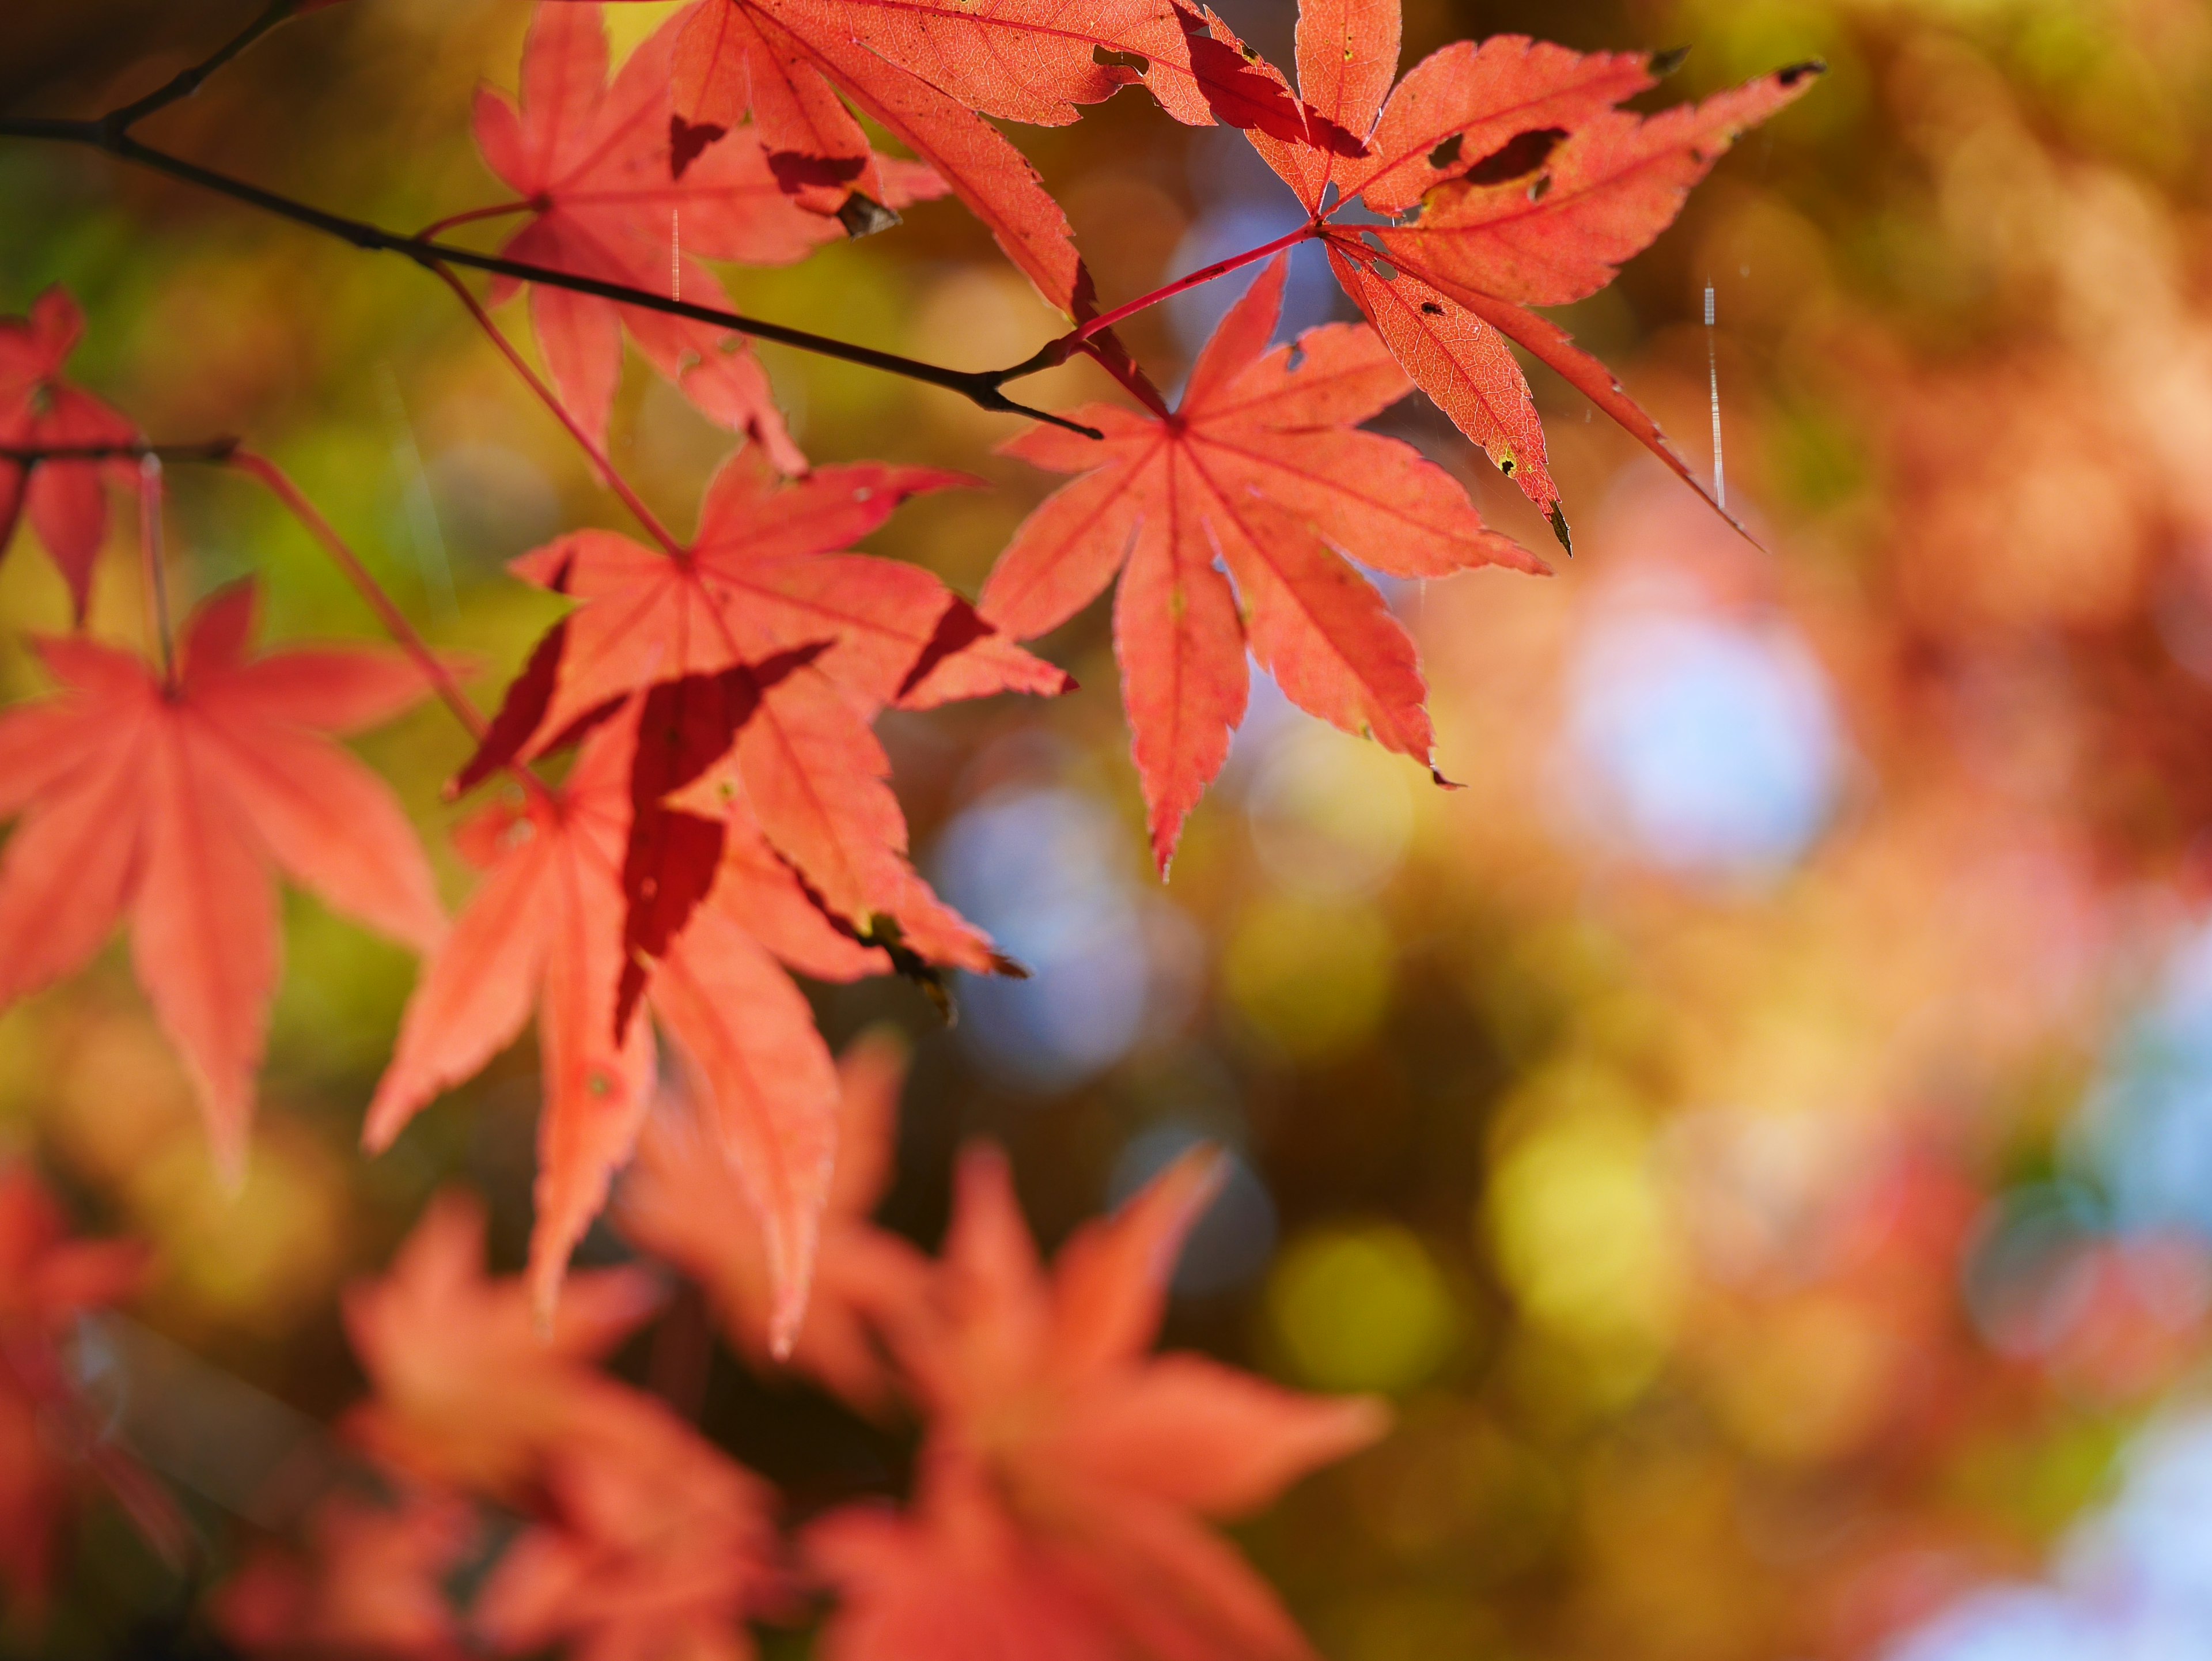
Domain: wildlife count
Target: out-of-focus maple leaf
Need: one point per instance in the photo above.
(1062, 1459)
(654, 1546)
(1511, 181)
(39, 409)
(644, 1540)
(546, 927)
(1263, 470)
(49, 1440)
(686, 1203)
(370, 1585)
(764, 585)
(592, 160)
(471, 1387)
(171, 799)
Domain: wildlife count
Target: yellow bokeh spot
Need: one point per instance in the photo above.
(1313, 977)
(1362, 1308)
(1581, 1231)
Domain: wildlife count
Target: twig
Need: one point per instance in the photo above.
(29, 455)
(186, 82)
(979, 386)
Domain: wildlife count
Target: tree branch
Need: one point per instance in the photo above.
(29, 455)
(186, 82)
(979, 386)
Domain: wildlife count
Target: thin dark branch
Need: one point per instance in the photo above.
(186, 82)
(979, 386)
(212, 449)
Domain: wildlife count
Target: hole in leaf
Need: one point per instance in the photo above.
(1448, 152)
(1522, 154)
(1107, 58)
(1432, 309)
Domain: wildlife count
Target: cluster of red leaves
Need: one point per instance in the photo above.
(1063, 1477)
(51, 1442)
(729, 816)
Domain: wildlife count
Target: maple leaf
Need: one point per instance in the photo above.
(470, 1386)
(789, 648)
(368, 1585)
(547, 927)
(170, 800)
(1511, 181)
(644, 1539)
(654, 1544)
(1034, 61)
(784, 63)
(39, 409)
(591, 159)
(1262, 469)
(49, 1437)
(685, 1202)
(1062, 1459)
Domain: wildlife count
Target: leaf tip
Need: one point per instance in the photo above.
(1558, 516)
(1811, 69)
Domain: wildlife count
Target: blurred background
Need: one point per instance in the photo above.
(1759, 1133)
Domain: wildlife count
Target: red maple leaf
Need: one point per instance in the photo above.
(546, 927)
(470, 1386)
(644, 1540)
(369, 1583)
(1262, 469)
(685, 1202)
(591, 160)
(1510, 181)
(39, 409)
(171, 799)
(652, 1543)
(1065, 1470)
(930, 72)
(50, 1439)
(818, 642)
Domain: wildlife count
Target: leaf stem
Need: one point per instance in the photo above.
(149, 552)
(469, 216)
(1198, 278)
(615, 482)
(388, 611)
(1132, 382)
(979, 386)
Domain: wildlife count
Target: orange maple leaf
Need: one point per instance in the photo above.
(1262, 469)
(170, 799)
(1065, 1469)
